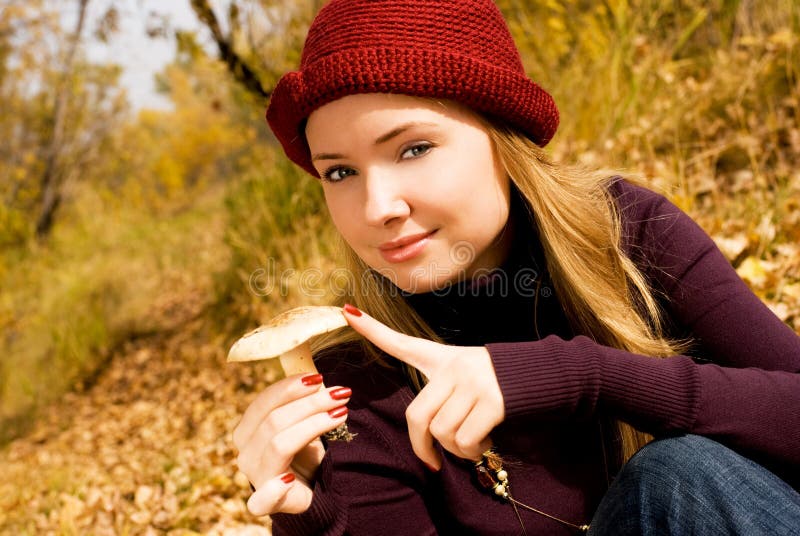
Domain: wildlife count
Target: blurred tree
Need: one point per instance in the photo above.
(52, 178)
(164, 160)
(56, 112)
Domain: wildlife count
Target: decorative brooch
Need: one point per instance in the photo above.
(492, 477)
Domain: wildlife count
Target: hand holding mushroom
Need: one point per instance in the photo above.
(278, 436)
(287, 337)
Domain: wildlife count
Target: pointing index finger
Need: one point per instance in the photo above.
(412, 350)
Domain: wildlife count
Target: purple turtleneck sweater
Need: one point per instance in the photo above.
(741, 387)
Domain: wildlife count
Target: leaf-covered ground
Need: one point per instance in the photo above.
(145, 450)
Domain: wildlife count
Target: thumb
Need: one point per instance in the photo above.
(278, 495)
(411, 350)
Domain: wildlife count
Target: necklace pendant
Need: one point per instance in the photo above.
(494, 463)
(491, 476)
(495, 479)
(485, 478)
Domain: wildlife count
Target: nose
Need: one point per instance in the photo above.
(385, 201)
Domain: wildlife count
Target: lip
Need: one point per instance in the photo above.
(404, 241)
(405, 248)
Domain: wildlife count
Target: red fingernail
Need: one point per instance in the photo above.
(287, 478)
(335, 413)
(352, 309)
(341, 393)
(314, 379)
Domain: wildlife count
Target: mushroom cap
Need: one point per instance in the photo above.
(286, 331)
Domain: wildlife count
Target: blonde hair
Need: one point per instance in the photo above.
(603, 293)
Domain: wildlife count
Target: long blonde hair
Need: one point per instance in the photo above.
(603, 293)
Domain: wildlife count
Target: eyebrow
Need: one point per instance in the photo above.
(379, 140)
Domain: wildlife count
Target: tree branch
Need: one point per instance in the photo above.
(236, 65)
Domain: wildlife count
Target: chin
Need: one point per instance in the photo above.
(423, 284)
(427, 276)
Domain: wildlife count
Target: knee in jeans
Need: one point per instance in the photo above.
(673, 461)
(694, 485)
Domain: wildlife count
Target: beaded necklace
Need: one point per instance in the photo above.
(492, 477)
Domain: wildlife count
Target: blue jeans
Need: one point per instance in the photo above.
(693, 485)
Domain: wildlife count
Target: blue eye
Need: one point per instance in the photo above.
(416, 150)
(337, 173)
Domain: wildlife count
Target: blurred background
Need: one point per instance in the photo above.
(148, 217)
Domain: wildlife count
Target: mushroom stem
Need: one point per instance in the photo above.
(298, 360)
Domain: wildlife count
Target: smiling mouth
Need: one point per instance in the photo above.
(400, 242)
(405, 248)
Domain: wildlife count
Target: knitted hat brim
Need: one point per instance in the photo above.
(498, 92)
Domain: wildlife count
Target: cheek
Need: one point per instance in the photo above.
(486, 197)
(473, 184)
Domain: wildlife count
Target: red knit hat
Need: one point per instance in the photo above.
(459, 50)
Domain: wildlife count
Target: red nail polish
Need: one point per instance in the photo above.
(335, 413)
(352, 309)
(287, 478)
(341, 393)
(313, 379)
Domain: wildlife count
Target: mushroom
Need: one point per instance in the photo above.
(287, 337)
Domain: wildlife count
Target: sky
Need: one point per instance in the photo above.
(140, 56)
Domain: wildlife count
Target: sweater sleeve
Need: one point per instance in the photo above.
(748, 394)
(374, 484)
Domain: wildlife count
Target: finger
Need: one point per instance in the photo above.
(278, 394)
(419, 415)
(270, 453)
(472, 438)
(307, 461)
(449, 419)
(295, 411)
(267, 437)
(412, 350)
(283, 493)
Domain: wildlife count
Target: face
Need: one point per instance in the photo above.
(413, 186)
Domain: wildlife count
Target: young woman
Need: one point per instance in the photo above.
(518, 325)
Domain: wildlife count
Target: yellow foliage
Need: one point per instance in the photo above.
(755, 271)
(792, 291)
(167, 158)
